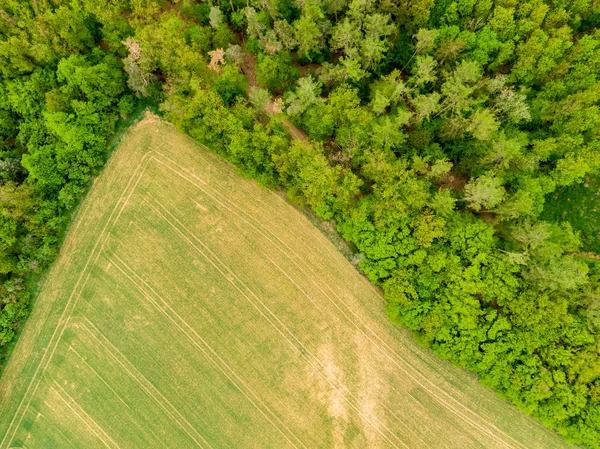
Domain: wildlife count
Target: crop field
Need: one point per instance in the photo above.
(192, 308)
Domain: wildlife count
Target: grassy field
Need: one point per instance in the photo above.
(192, 308)
(580, 205)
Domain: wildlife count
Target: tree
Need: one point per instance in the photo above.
(285, 34)
(346, 36)
(307, 93)
(259, 98)
(276, 72)
(426, 105)
(231, 85)
(443, 202)
(312, 180)
(386, 92)
(482, 124)
(377, 28)
(423, 71)
(485, 192)
(309, 38)
(215, 17)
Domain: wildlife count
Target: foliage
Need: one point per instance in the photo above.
(276, 72)
(437, 131)
(230, 85)
(579, 205)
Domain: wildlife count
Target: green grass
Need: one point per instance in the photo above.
(579, 205)
(192, 308)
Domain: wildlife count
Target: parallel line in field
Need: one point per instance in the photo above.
(69, 440)
(415, 376)
(144, 383)
(388, 409)
(86, 418)
(108, 350)
(99, 376)
(309, 297)
(402, 367)
(304, 349)
(207, 346)
(317, 305)
(70, 305)
(290, 255)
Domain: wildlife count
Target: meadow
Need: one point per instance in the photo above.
(191, 307)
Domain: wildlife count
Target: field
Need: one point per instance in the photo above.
(192, 308)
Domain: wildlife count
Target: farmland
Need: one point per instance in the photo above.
(192, 308)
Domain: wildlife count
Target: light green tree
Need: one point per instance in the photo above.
(484, 192)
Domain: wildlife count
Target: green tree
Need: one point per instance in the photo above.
(276, 72)
(484, 192)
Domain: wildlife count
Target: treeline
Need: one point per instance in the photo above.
(436, 129)
(60, 96)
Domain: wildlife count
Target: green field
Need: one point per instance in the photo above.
(192, 308)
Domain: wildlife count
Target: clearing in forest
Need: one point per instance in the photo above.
(192, 308)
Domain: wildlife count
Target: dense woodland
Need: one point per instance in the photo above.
(436, 130)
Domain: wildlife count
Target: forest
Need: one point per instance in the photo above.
(433, 133)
